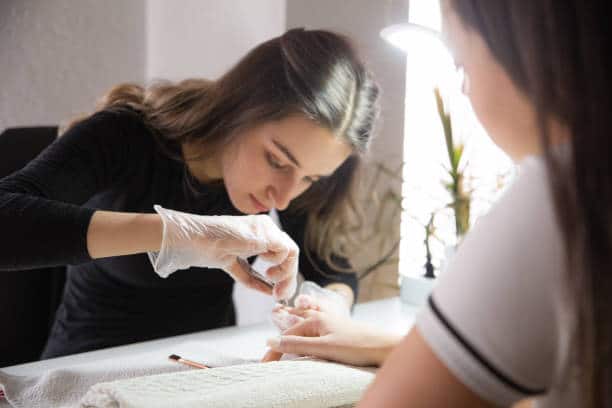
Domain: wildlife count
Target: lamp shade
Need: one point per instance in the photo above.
(410, 36)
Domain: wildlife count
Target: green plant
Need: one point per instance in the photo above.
(429, 233)
(460, 197)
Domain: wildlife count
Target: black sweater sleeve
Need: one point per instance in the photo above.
(311, 266)
(44, 221)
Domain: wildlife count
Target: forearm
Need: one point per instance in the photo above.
(385, 345)
(117, 233)
(414, 376)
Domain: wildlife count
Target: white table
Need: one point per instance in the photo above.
(249, 341)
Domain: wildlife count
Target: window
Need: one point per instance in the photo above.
(425, 155)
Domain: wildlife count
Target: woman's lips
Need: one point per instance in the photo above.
(259, 206)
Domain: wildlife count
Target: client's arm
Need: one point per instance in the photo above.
(348, 341)
(412, 373)
(411, 370)
(333, 337)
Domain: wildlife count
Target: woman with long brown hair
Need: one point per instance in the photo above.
(524, 309)
(282, 130)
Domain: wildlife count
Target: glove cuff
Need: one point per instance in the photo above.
(160, 260)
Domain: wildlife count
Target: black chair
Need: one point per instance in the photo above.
(28, 298)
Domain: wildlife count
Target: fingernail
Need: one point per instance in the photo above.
(274, 342)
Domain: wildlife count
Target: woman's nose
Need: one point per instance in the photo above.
(281, 195)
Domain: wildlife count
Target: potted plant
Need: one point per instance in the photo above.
(460, 196)
(415, 289)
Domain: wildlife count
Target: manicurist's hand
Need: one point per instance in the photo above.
(332, 337)
(219, 241)
(314, 297)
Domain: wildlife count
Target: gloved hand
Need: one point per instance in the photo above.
(219, 241)
(311, 297)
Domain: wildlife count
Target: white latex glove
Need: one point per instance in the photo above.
(219, 241)
(311, 297)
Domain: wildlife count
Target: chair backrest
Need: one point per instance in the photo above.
(20, 145)
(28, 298)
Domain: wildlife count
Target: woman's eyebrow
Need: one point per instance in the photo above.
(292, 158)
(287, 152)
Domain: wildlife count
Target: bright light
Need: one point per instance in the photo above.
(426, 13)
(427, 55)
(409, 37)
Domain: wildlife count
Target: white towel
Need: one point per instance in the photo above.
(64, 388)
(286, 384)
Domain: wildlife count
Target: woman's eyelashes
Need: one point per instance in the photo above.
(274, 162)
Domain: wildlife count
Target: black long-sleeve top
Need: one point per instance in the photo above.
(112, 161)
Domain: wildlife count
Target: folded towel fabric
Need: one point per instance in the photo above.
(287, 384)
(64, 388)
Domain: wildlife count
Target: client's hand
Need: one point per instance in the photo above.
(221, 242)
(332, 337)
(311, 297)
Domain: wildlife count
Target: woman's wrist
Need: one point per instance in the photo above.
(116, 234)
(385, 343)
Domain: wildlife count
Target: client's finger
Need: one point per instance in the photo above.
(284, 320)
(305, 313)
(303, 328)
(301, 345)
(271, 355)
(280, 306)
(306, 302)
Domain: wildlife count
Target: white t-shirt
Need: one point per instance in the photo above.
(500, 317)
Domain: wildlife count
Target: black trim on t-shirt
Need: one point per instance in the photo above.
(479, 356)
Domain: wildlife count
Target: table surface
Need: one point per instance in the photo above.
(391, 315)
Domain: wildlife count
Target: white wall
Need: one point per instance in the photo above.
(58, 56)
(203, 38)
